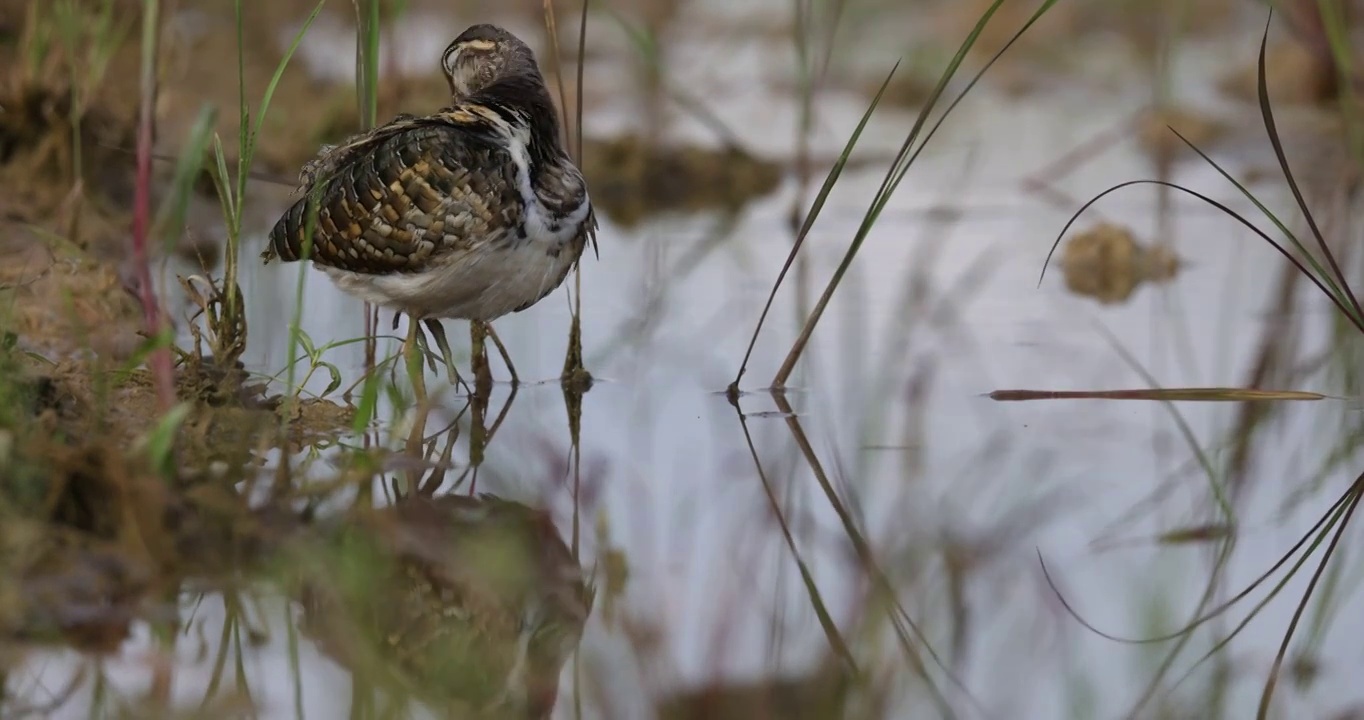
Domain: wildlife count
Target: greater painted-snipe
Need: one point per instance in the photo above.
(471, 213)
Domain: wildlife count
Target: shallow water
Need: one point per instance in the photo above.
(891, 394)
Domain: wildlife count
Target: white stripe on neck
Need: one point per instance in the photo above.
(539, 222)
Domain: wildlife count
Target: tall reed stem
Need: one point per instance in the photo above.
(160, 359)
(367, 98)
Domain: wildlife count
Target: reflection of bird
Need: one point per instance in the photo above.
(465, 602)
(471, 213)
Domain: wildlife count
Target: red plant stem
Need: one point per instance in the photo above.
(160, 359)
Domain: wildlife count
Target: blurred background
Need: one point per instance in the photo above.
(888, 536)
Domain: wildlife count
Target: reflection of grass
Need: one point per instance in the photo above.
(883, 601)
(1324, 271)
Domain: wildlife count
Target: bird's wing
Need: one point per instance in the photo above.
(396, 198)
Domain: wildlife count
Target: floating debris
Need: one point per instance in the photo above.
(1163, 395)
(1107, 263)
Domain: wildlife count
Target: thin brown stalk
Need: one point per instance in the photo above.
(159, 361)
(573, 365)
(831, 632)
(1211, 394)
(899, 617)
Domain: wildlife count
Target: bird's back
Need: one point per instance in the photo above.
(402, 196)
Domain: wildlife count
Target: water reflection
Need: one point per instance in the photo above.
(473, 604)
(463, 602)
(868, 542)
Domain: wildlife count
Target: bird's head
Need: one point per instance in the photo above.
(483, 55)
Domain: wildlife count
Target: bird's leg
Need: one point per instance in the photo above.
(478, 333)
(506, 358)
(413, 355)
(438, 332)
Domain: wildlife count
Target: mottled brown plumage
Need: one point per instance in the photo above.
(388, 197)
(472, 212)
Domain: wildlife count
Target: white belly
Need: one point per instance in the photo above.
(483, 285)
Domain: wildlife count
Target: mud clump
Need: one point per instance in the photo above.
(38, 145)
(1108, 264)
(631, 179)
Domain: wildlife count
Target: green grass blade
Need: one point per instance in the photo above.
(815, 208)
(367, 61)
(222, 182)
(279, 73)
(1267, 113)
(894, 175)
(171, 214)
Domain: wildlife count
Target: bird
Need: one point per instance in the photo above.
(471, 602)
(472, 212)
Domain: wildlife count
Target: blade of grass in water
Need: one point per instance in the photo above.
(1268, 694)
(899, 168)
(578, 91)
(1311, 540)
(835, 638)
(1267, 111)
(1227, 510)
(1197, 534)
(829, 181)
(1166, 394)
(556, 64)
(902, 622)
(573, 369)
